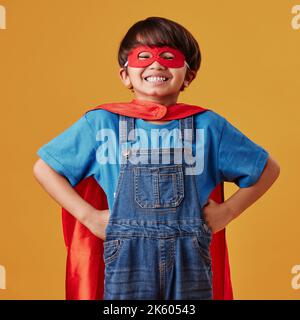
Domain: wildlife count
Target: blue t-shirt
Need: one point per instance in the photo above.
(83, 150)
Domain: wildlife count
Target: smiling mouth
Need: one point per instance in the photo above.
(156, 79)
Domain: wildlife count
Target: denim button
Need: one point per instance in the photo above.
(126, 153)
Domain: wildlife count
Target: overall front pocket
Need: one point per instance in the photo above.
(111, 249)
(202, 244)
(158, 187)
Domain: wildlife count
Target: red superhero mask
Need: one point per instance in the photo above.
(150, 54)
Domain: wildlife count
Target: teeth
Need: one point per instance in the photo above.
(155, 79)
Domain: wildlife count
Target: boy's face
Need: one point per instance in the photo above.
(156, 81)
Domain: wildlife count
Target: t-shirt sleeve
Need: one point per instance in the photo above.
(72, 153)
(240, 160)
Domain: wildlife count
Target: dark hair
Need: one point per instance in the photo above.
(157, 31)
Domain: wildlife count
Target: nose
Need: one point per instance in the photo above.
(156, 65)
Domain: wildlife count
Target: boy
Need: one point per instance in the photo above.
(158, 229)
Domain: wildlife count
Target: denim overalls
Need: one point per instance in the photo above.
(157, 244)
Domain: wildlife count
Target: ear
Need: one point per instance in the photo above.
(123, 73)
(189, 77)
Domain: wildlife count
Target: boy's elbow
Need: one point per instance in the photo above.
(35, 168)
(274, 167)
(38, 168)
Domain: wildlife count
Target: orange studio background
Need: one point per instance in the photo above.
(58, 58)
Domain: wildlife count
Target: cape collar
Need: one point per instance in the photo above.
(148, 110)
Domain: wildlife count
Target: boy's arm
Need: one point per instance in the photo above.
(245, 197)
(217, 216)
(59, 188)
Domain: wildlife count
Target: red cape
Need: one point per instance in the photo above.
(85, 265)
